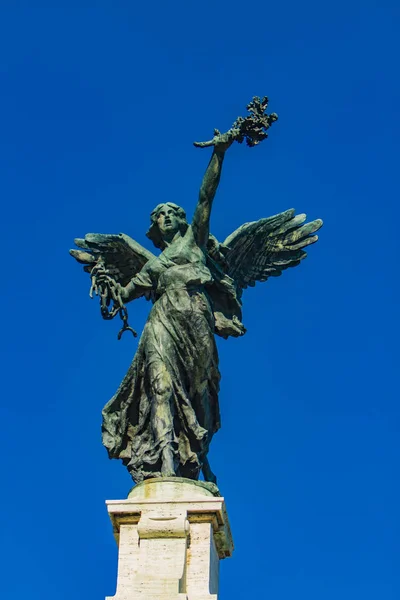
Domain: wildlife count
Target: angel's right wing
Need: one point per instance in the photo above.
(120, 254)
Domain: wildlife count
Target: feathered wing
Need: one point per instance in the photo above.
(265, 248)
(121, 255)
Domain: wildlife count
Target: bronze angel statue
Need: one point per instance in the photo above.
(161, 420)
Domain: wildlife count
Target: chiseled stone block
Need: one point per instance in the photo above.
(171, 534)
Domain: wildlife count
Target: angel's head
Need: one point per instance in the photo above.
(167, 220)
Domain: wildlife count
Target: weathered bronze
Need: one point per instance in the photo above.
(165, 413)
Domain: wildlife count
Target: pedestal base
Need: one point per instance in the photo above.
(171, 534)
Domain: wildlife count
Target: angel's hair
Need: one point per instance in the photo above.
(154, 233)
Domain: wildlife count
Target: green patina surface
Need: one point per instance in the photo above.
(162, 419)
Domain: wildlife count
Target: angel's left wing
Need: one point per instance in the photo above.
(267, 247)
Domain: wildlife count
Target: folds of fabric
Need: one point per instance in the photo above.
(169, 396)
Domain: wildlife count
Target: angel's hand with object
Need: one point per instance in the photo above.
(102, 283)
(252, 128)
(220, 141)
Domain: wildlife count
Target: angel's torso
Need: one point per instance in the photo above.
(181, 266)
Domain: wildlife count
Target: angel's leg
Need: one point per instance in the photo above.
(161, 414)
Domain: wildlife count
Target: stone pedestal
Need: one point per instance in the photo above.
(171, 534)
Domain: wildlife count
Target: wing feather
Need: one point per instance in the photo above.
(121, 255)
(264, 248)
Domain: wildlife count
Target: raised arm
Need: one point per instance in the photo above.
(252, 128)
(201, 218)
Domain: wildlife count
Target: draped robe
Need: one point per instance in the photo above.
(176, 357)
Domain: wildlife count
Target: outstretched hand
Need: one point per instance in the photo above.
(252, 128)
(220, 141)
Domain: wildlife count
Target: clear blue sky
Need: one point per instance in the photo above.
(100, 103)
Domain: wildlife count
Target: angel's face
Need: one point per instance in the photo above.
(167, 222)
